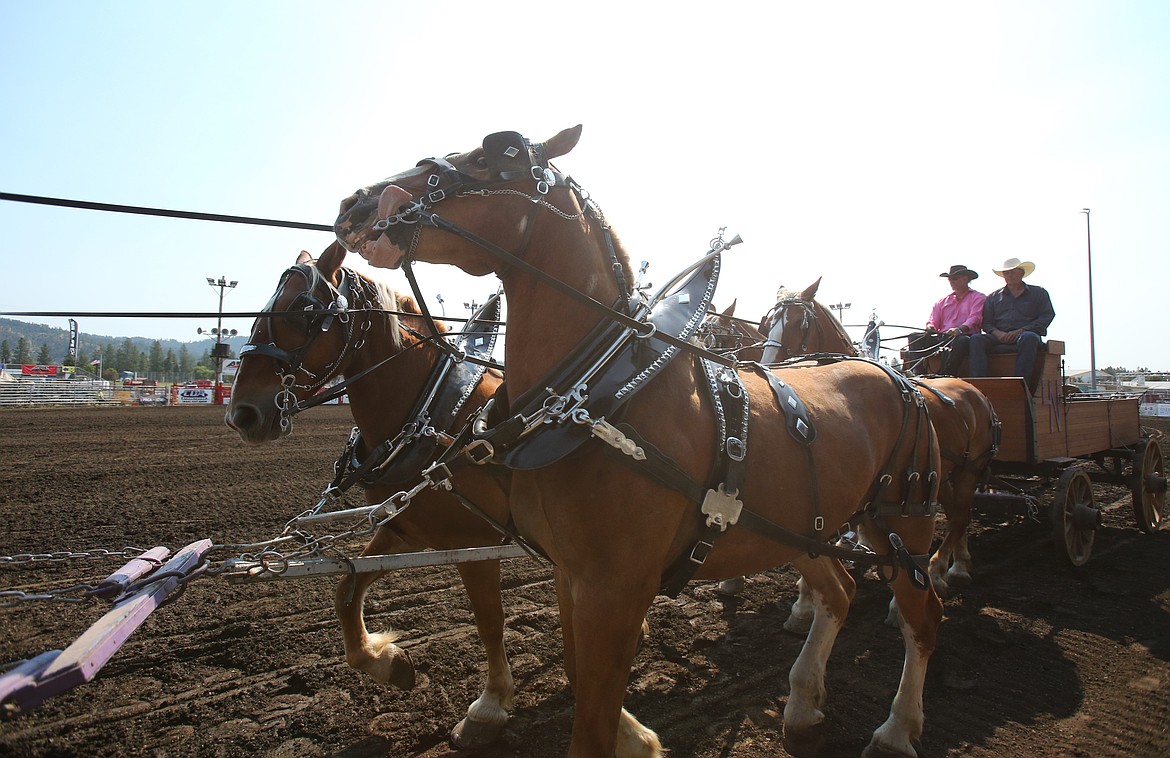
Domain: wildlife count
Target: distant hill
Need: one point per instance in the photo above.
(58, 340)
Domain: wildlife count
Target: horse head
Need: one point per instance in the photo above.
(798, 325)
(384, 221)
(500, 206)
(313, 331)
(723, 333)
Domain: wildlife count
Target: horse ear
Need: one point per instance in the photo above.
(331, 259)
(304, 257)
(730, 310)
(811, 291)
(562, 143)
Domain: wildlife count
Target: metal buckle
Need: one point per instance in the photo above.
(735, 448)
(700, 551)
(479, 452)
(442, 480)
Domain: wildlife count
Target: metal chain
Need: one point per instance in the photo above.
(68, 555)
(538, 200)
(304, 545)
(12, 598)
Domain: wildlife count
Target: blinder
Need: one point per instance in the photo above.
(779, 314)
(319, 317)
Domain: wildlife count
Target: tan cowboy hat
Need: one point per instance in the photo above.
(1011, 263)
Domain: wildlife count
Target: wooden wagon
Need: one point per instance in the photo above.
(1050, 434)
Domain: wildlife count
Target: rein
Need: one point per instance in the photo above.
(289, 362)
(641, 328)
(809, 321)
(458, 184)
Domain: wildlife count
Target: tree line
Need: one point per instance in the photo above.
(165, 366)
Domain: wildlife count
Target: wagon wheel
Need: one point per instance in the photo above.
(1074, 516)
(1149, 485)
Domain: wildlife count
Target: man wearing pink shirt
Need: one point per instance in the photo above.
(956, 317)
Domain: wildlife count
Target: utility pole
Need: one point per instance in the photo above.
(1092, 341)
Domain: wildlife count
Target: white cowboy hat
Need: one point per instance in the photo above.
(1011, 263)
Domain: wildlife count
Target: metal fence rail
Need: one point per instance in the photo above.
(55, 392)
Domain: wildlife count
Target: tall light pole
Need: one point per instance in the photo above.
(221, 350)
(841, 308)
(1092, 341)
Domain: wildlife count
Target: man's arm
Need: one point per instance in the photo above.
(989, 315)
(1045, 315)
(935, 316)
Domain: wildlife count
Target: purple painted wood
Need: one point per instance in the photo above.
(21, 677)
(79, 662)
(116, 583)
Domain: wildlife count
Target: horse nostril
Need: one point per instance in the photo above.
(243, 418)
(348, 203)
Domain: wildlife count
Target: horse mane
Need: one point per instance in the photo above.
(822, 311)
(407, 304)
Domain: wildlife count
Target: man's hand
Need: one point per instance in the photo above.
(1008, 338)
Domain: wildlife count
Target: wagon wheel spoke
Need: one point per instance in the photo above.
(1148, 485)
(1075, 516)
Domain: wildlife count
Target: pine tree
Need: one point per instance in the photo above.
(23, 351)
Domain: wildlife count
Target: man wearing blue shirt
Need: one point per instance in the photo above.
(1017, 315)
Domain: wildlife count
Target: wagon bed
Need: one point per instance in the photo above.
(1046, 435)
(1052, 424)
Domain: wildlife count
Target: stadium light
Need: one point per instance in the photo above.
(220, 351)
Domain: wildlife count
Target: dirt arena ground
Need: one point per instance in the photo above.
(1036, 659)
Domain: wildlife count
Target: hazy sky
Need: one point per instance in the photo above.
(872, 143)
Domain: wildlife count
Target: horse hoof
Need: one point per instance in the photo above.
(878, 751)
(731, 587)
(473, 735)
(402, 671)
(959, 578)
(806, 742)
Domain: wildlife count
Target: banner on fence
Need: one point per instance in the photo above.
(196, 395)
(37, 369)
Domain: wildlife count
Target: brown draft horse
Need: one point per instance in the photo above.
(381, 403)
(966, 426)
(611, 530)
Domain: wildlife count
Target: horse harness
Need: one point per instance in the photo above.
(963, 461)
(577, 399)
(319, 316)
(808, 320)
(451, 382)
